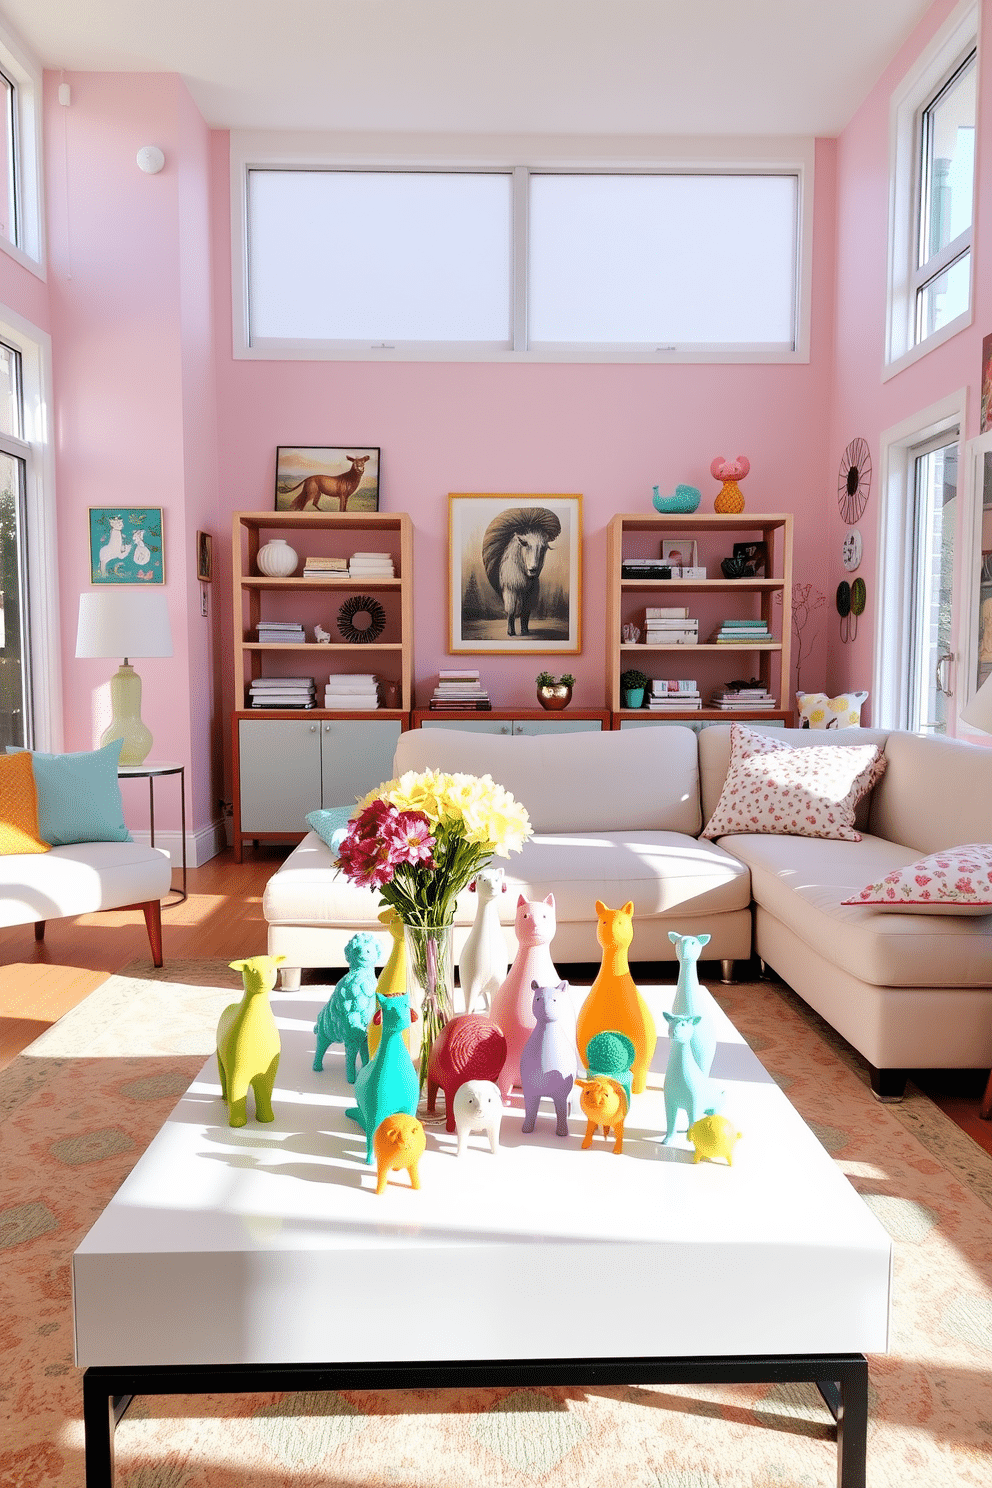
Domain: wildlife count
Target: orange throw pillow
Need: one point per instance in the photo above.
(19, 807)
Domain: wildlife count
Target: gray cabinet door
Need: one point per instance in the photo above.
(356, 756)
(279, 773)
(471, 725)
(557, 725)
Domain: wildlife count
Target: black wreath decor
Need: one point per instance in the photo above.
(361, 618)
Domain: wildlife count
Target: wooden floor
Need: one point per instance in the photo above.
(222, 918)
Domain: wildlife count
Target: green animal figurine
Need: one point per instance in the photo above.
(389, 1083)
(248, 1045)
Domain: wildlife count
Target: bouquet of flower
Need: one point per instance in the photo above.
(420, 840)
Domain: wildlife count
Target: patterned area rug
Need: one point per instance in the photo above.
(79, 1106)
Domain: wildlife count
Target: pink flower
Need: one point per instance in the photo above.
(965, 885)
(922, 878)
(413, 830)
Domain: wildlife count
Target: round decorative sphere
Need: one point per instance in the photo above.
(276, 559)
(685, 499)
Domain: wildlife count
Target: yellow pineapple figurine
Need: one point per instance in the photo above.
(614, 1002)
(730, 498)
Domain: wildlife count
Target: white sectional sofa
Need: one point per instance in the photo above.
(617, 817)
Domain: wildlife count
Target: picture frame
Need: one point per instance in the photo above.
(680, 552)
(327, 478)
(127, 545)
(755, 555)
(531, 613)
(985, 396)
(204, 557)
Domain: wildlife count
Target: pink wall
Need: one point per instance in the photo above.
(862, 404)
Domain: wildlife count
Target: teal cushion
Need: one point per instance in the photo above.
(330, 825)
(79, 798)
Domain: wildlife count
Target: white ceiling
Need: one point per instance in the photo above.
(510, 66)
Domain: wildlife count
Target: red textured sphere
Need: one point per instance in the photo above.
(469, 1047)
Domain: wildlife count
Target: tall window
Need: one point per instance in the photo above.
(931, 586)
(21, 216)
(16, 722)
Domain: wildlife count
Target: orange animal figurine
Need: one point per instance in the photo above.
(614, 1002)
(399, 1142)
(604, 1103)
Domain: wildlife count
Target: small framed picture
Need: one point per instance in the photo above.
(679, 552)
(985, 401)
(327, 479)
(755, 555)
(126, 545)
(204, 557)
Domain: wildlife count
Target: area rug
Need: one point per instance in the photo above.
(78, 1107)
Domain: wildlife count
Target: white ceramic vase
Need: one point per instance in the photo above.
(276, 559)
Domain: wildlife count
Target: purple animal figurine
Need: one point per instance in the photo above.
(511, 1008)
(344, 1018)
(469, 1047)
(549, 1062)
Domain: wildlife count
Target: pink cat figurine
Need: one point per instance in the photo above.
(511, 1008)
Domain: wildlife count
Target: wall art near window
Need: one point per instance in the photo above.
(320, 478)
(514, 573)
(985, 412)
(126, 545)
(204, 557)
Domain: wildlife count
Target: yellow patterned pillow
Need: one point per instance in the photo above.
(817, 711)
(19, 807)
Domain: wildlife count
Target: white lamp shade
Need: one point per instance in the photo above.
(979, 711)
(123, 621)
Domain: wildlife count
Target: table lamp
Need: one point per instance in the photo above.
(979, 711)
(125, 622)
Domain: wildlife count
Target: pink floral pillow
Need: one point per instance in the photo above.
(957, 880)
(771, 787)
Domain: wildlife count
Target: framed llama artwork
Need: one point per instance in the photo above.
(126, 545)
(514, 573)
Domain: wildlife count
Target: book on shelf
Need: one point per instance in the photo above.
(675, 638)
(352, 681)
(646, 570)
(479, 705)
(660, 685)
(452, 674)
(673, 622)
(685, 705)
(326, 566)
(666, 612)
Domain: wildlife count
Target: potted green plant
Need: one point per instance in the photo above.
(553, 692)
(632, 685)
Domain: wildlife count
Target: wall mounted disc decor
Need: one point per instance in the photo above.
(361, 619)
(851, 550)
(844, 609)
(854, 481)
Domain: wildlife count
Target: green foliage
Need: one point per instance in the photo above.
(632, 680)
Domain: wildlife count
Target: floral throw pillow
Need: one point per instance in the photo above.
(956, 881)
(771, 787)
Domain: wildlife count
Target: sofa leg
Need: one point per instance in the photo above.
(888, 1084)
(289, 978)
(39, 929)
(727, 970)
(152, 910)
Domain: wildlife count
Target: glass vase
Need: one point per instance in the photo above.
(430, 980)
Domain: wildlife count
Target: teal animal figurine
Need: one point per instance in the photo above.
(248, 1045)
(389, 1083)
(686, 1087)
(610, 1055)
(345, 1016)
(688, 948)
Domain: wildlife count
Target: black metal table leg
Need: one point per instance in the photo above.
(99, 1420)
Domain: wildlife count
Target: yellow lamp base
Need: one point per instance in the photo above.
(126, 722)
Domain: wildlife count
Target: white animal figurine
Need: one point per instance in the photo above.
(114, 547)
(484, 961)
(322, 635)
(142, 552)
(477, 1106)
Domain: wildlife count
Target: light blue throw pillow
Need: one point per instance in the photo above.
(330, 824)
(79, 798)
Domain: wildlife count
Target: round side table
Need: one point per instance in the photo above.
(151, 770)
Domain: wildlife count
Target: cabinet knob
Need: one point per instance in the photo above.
(504, 728)
(313, 728)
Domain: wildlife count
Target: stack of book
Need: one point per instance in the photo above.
(459, 689)
(371, 566)
(281, 633)
(355, 690)
(736, 632)
(644, 568)
(674, 695)
(325, 568)
(283, 692)
(741, 699)
(669, 625)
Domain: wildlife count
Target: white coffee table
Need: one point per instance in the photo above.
(214, 1266)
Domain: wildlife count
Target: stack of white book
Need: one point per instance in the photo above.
(742, 699)
(674, 695)
(283, 692)
(459, 688)
(281, 632)
(325, 568)
(371, 566)
(669, 625)
(355, 690)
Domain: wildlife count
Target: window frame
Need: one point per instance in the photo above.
(24, 75)
(35, 448)
(251, 150)
(934, 70)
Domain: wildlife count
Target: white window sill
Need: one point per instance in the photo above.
(914, 354)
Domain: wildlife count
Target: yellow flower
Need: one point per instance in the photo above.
(482, 812)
